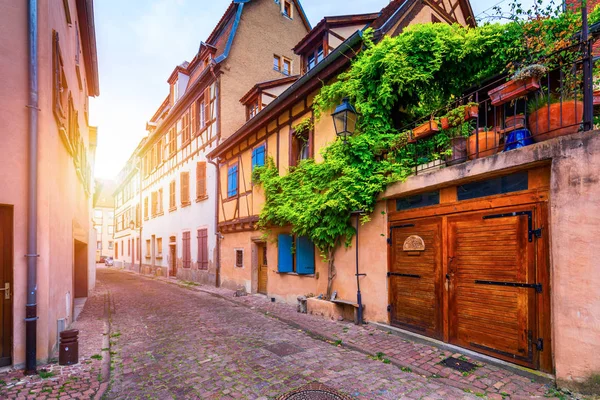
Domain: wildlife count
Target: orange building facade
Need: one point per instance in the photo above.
(67, 76)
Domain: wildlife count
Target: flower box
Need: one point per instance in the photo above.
(471, 112)
(513, 89)
(425, 130)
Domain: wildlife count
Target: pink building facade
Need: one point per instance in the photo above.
(67, 76)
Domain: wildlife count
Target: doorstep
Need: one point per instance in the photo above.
(539, 376)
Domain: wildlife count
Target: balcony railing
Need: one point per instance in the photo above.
(502, 114)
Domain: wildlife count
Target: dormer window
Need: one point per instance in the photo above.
(175, 91)
(252, 108)
(287, 9)
(314, 57)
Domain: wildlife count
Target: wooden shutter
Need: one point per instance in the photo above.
(185, 188)
(202, 248)
(187, 256)
(193, 127)
(285, 261)
(200, 180)
(305, 256)
(207, 116)
(172, 202)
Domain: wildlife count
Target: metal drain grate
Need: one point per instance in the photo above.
(314, 391)
(458, 364)
(283, 349)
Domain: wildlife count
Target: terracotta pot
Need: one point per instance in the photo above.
(425, 130)
(513, 89)
(459, 151)
(445, 123)
(471, 112)
(596, 97)
(564, 119)
(488, 144)
(514, 120)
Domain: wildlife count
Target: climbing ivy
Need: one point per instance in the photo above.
(390, 83)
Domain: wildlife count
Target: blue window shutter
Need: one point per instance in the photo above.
(254, 158)
(305, 256)
(284, 253)
(258, 157)
(232, 181)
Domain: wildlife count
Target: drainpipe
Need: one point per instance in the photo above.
(31, 306)
(217, 233)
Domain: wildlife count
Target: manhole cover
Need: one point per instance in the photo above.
(314, 391)
(458, 364)
(283, 349)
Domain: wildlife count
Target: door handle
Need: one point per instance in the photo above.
(6, 290)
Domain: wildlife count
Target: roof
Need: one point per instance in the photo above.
(386, 19)
(332, 22)
(267, 85)
(87, 29)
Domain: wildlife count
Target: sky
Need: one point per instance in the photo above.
(141, 41)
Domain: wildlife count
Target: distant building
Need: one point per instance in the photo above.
(104, 218)
(67, 75)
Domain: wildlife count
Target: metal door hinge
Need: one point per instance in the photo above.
(389, 308)
(6, 290)
(540, 344)
(389, 241)
(537, 233)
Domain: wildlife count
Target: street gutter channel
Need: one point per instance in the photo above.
(105, 368)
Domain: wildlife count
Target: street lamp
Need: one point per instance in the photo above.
(344, 119)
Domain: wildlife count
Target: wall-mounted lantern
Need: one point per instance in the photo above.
(344, 119)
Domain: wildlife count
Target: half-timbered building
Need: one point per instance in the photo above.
(251, 43)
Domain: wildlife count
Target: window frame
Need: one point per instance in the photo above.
(284, 5)
(255, 155)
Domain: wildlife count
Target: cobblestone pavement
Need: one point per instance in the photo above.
(80, 381)
(171, 343)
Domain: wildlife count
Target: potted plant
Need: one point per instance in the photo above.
(489, 142)
(425, 130)
(458, 144)
(459, 115)
(522, 82)
(553, 116)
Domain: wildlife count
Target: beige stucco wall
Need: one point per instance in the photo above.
(63, 209)
(251, 57)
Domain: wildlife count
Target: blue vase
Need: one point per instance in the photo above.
(517, 139)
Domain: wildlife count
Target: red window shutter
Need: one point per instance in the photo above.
(208, 117)
(185, 187)
(193, 126)
(200, 179)
(202, 248)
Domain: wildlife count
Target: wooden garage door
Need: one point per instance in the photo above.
(491, 277)
(415, 281)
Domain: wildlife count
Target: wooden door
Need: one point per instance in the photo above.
(491, 284)
(173, 259)
(262, 268)
(415, 277)
(6, 284)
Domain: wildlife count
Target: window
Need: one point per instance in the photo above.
(111, 216)
(202, 249)
(172, 201)
(148, 248)
(159, 247)
(201, 110)
(200, 180)
(185, 129)
(295, 255)
(258, 156)
(172, 141)
(252, 109)
(98, 214)
(282, 64)
(287, 9)
(146, 208)
(187, 254)
(314, 57)
(98, 229)
(111, 244)
(159, 209)
(128, 247)
(490, 187)
(67, 11)
(418, 200)
(239, 258)
(60, 90)
(99, 245)
(185, 188)
(111, 229)
(300, 146)
(175, 87)
(232, 181)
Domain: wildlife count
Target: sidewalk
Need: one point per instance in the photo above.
(80, 381)
(487, 380)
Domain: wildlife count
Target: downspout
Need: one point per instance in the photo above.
(217, 177)
(32, 178)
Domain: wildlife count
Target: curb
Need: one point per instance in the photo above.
(106, 348)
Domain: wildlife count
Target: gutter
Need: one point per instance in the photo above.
(32, 195)
(338, 52)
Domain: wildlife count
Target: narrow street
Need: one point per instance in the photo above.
(168, 342)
